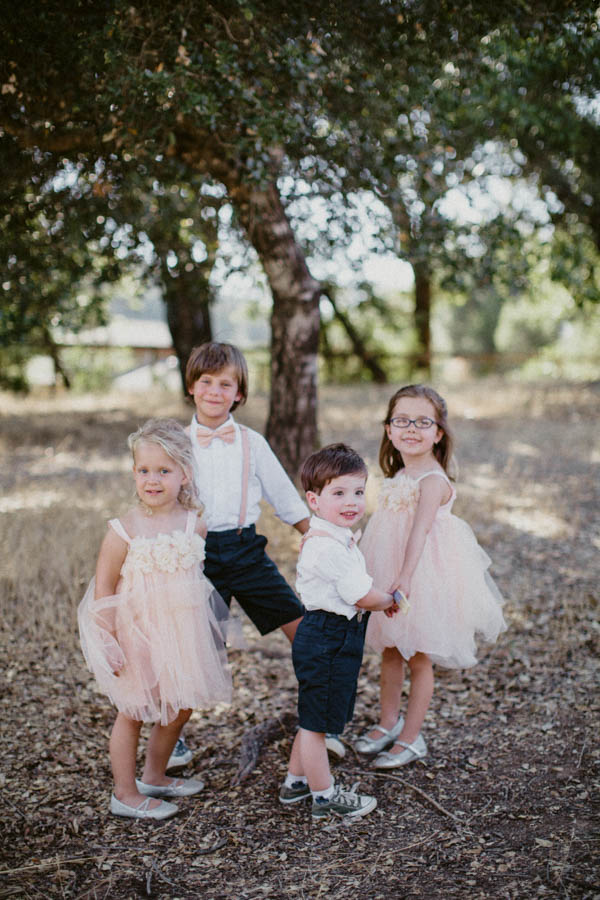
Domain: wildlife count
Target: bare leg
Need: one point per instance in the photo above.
(289, 629)
(160, 745)
(390, 681)
(309, 758)
(419, 698)
(124, 740)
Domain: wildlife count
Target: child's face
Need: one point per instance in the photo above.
(214, 394)
(158, 478)
(342, 501)
(412, 442)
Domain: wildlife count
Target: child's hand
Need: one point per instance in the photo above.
(115, 657)
(116, 666)
(392, 610)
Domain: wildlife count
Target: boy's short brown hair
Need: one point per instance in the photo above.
(212, 357)
(328, 463)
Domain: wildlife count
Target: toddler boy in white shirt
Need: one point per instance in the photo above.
(335, 588)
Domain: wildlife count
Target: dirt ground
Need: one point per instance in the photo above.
(505, 804)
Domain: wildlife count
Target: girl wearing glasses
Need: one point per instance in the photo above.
(414, 543)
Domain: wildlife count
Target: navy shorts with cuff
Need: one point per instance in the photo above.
(237, 565)
(327, 654)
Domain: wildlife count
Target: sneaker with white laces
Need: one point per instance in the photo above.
(335, 746)
(347, 804)
(180, 756)
(298, 791)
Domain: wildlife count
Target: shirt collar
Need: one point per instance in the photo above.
(228, 421)
(340, 532)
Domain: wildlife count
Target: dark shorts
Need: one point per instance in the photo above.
(327, 653)
(237, 565)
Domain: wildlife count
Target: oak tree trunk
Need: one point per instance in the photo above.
(423, 316)
(292, 423)
(188, 314)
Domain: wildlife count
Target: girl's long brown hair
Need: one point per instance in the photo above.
(390, 459)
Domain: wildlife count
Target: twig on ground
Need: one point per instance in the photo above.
(155, 868)
(252, 742)
(418, 843)
(417, 790)
(49, 863)
(220, 842)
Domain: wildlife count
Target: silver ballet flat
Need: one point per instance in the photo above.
(411, 752)
(365, 744)
(164, 810)
(186, 788)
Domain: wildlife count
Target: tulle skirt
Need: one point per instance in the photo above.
(453, 599)
(157, 648)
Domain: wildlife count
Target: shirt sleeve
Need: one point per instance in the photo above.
(336, 565)
(277, 487)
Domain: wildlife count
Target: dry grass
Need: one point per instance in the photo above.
(502, 806)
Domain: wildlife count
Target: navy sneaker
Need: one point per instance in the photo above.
(298, 791)
(347, 804)
(180, 756)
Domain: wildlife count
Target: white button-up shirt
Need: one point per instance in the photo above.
(219, 478)
(331, 574)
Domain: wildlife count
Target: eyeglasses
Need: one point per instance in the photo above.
(404, 422)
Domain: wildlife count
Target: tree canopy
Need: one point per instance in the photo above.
(400, 98)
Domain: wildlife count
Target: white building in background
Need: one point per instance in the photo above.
(137, 324)
(139, 329)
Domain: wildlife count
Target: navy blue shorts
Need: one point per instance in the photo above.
(237, 565)
(327, 653)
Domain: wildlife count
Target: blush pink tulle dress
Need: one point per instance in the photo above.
(165, 625)
(452, 598)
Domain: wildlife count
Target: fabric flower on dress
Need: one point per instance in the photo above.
(190, 549)
(165, 553)
(399, 493)
(139, 557)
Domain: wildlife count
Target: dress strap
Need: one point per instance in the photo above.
(245, 474)
(190, 524)
(115, 524)
(435, 472)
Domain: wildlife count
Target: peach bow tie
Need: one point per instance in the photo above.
(204, 437)
(355, 537)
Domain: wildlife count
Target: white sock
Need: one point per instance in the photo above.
(324, 795)
(291, 780)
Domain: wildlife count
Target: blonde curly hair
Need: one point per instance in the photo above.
(171, 436)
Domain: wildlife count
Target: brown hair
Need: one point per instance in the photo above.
(170, 435)
(390, 459)
(213, 357)
(328, 463)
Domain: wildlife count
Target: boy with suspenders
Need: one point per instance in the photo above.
(236, 468)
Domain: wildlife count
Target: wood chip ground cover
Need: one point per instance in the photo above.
(505, 804)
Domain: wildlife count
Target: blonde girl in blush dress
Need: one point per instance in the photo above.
(151, 624)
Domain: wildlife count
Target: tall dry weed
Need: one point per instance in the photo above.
(46, 559)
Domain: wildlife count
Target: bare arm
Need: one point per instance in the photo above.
(434, 491)
(376, 599)
(108, 570)
(110, 561)
(201, 528)
(302, 525)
